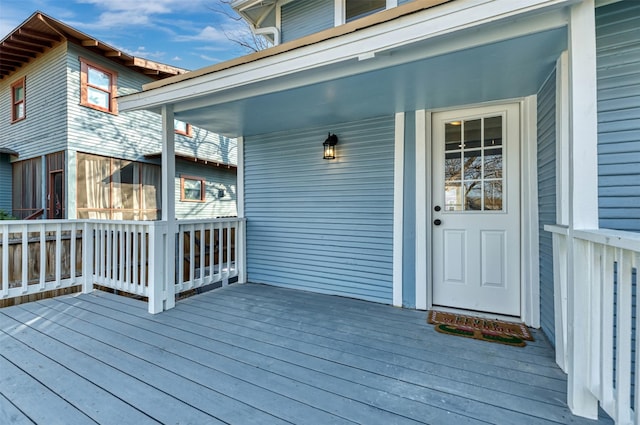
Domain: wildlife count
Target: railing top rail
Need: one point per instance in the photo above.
(557, 228)
(614, 238)
(211, 220)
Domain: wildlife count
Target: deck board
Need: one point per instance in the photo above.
(257, 354)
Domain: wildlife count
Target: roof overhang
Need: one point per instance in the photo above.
(8, 151)
(190, 158)
(40, 33)
(447, 54)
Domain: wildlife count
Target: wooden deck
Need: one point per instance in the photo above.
(253, 354)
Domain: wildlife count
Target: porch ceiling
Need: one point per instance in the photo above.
(500, 70)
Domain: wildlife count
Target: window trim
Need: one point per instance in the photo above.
(187, 133)
(340, 11)
(84, 85)
(202, 188)
(20, 82)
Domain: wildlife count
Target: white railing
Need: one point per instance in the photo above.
(127, 256)
(209, 252)
(595, 272)
(39, 256)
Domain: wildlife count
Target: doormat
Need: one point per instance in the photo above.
(478, 328)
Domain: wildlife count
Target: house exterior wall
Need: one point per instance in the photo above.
(306, 17)
(618, 59)
(546, 166)
(129, 135)
(215, 178)
(44, 130)
(5, 183)
(319, 225)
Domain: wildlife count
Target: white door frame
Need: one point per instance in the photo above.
(529, 263)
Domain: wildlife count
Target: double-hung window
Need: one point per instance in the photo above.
(18, 100)
(98, 87)
(192, 189)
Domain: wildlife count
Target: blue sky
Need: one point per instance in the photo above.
(184, 33)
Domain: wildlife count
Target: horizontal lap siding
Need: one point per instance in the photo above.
(215, 178)
(130, 135)
(618, 55)
(44, 129)
(547, 198)
(321, 225)
(306, 17)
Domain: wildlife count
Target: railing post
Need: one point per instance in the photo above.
(87, 257)
(241, 256)
(579, 397)
(560, 298)
(156, 267)
(169, 261)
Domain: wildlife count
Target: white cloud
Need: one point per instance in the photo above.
(207, 34)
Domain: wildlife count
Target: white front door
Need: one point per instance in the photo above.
(476, 209)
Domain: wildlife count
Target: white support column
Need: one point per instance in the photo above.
(169, 203)
(562, 139)
(398, 209)
(70, 177)
(422, 205)
(44, 196)
(242, 225)
(583, 199)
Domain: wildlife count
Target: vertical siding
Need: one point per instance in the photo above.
(547, 198)
(44, 129)
(618, 56)
(129, 135)
(215, 178)
(318, 225)
(5, 183)
(305, 17)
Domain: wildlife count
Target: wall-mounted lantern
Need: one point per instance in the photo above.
(330, 146)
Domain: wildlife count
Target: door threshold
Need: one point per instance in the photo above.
(475, 313)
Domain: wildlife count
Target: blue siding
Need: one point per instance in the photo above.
(5, 183)
(618, 55)
(323, 226)
(45, 128)
(215, 178)
(306, 17)
(403, 2)
(129, 135)
(409, 228)
(547, 198)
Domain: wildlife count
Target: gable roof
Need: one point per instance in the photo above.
(40, 32)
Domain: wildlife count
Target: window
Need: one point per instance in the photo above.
(18, 111)
(98, 87)
(359, 8)
(182, 128)
(117, 189)
(27, 187)
(191, 189)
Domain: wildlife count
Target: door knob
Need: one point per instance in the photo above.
(437, 222)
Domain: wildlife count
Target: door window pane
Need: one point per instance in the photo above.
(474, 164)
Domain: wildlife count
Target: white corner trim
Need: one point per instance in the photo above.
(562, 139)
(240, 178)
(392, 3)
(421, 211)
(71, 173)
(530, 260)
(339, 12)
(398, 209)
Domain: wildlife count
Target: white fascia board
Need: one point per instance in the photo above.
(439, 21)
